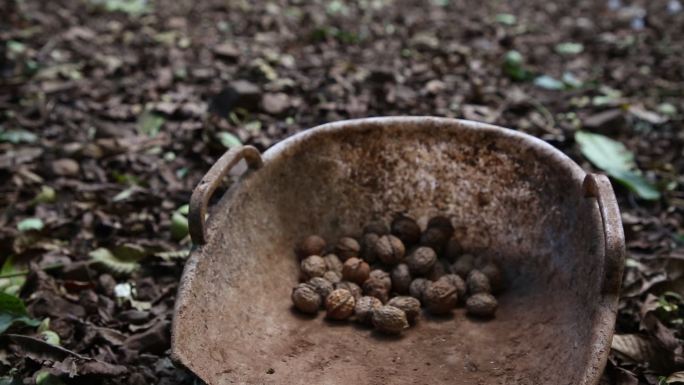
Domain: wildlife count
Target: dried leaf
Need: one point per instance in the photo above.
(634, 346)
(675, 378)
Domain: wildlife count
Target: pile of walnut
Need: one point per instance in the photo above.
(387, 277)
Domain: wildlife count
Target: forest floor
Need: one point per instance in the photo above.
(112, 110)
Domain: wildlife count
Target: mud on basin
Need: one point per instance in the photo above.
(553, 228)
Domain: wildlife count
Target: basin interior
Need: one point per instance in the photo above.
(511, 197)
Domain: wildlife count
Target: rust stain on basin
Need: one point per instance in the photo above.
(553, 228)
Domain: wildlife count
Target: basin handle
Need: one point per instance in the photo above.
(598, 186)
(211, 180)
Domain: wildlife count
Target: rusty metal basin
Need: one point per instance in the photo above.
(554, 229)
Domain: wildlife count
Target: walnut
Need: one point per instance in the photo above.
(332, 276)
(493, 273)
(305, 298)
(457, 282)
(389, 319)
(347, 247)
(463, 265)
(355, 270)
(322, 286)
(349, 286)
(417, 288)
(377, 227)
(406, 229)
(439, 231)
(437, 271)
(333, 263)
(311, 245)
(478, 283)
(441, 222)
(482, 305)
(389, 249)
(376, 288)
(364, 309)
(313, 266)
(382, 276)
(409, 305)
(368, 242)
(339, 305)
(453, 249)
(440, 297)
(434, 238)
(401, 278)
(421, 260)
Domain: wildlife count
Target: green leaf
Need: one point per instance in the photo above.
(29, 224)
(569, 48)
(229, 140)
(635, 182)
(571, 81)
(50, 337)
(667, 109)
(44, 325)
(185, 209)
(549, 83)
(170, 255)
(608, 97)
(18, 136)
(125, 194)
(505, 19)
(513, 66)
(46, 195)
(11, 285)
(45, 378)
(679, 238)
(114, 263)
(131, 7)
(179, 226)
(16, 47)
(617, 161)
(605, 153)
(150, 123)
(12, 310)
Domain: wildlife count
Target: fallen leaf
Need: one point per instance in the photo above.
(617, 161)
(505, 19)
(114, 263)
(549, 83)
(569, 48)
(150, 123)
(30, 224)
(229, 140)
(634, 346)
(674, 378)
(18, 136)
(12, 310)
